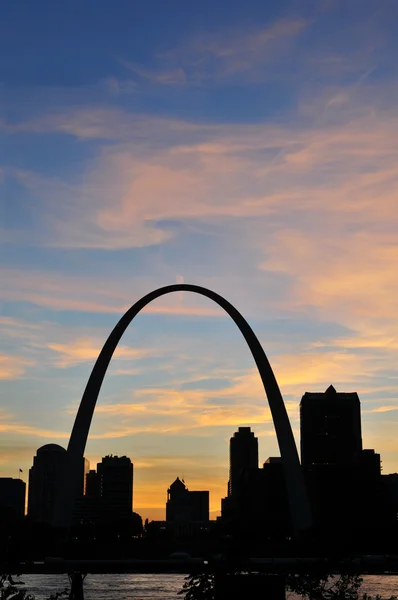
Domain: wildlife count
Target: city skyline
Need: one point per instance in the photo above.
(330, 425)
(249, 149)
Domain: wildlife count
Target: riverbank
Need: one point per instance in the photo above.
(160, 586)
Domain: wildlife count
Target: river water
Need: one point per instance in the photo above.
(158, 587)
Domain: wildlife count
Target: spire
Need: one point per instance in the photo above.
(178, 484)
(331, 390)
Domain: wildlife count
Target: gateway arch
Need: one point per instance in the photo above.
(298, 499)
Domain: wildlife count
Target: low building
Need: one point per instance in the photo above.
(12, 499)
(186, 512)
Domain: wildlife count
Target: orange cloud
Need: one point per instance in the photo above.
(337, 176)
(353, 278)
(174, 411)
(179, 309)
(241, 400)
(382, 409)
(13, 367)
(87, 349)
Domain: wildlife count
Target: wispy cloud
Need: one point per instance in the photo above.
(172, 410)
(235, 54)
(342, 169)
(383, 409)
(13, 367)
(86, 349)
(173, 76)
(10, 424)
(59, 292)
(352, 277)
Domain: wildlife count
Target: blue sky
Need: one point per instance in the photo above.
(247, 147)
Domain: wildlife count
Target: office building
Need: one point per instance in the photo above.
(107, 506)
(93, 484)
(390, 496)
(200, 505)
(330, 427)
(260, 507)
(243, 457)
(12, 499)
(44, 477)
(185, 506)
(116, 485)
(343, 479)
(243, 454)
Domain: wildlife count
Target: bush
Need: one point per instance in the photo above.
(325, 587)
(308, 586)
(198, 587)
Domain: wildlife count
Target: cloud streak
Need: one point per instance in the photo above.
(86, 349)
(62, 292)
(342, 169)
(13, 367)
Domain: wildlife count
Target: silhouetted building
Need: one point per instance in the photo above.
(330, 428)
(200, 505)
(369, 465)
(274, 511)
(368, 490)
(260, 508)
(243, 454)
(343, 480)
(12, 499)
(106, 510)
(91, 510)
(44, 477)
(93, 484)
(185, 506)
(116, 485)
(85, 471)
(390, 494)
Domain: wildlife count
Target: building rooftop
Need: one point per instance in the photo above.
(329, 394)
(178, 484)
(50, 448)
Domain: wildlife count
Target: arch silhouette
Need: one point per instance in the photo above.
(298, 500)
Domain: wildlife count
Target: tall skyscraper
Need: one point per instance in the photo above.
(44, 477)
(330, 427)
(116, 484)
(243, 454)
(343, 480)
(12, 499)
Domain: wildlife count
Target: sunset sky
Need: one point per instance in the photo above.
(249, 147)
